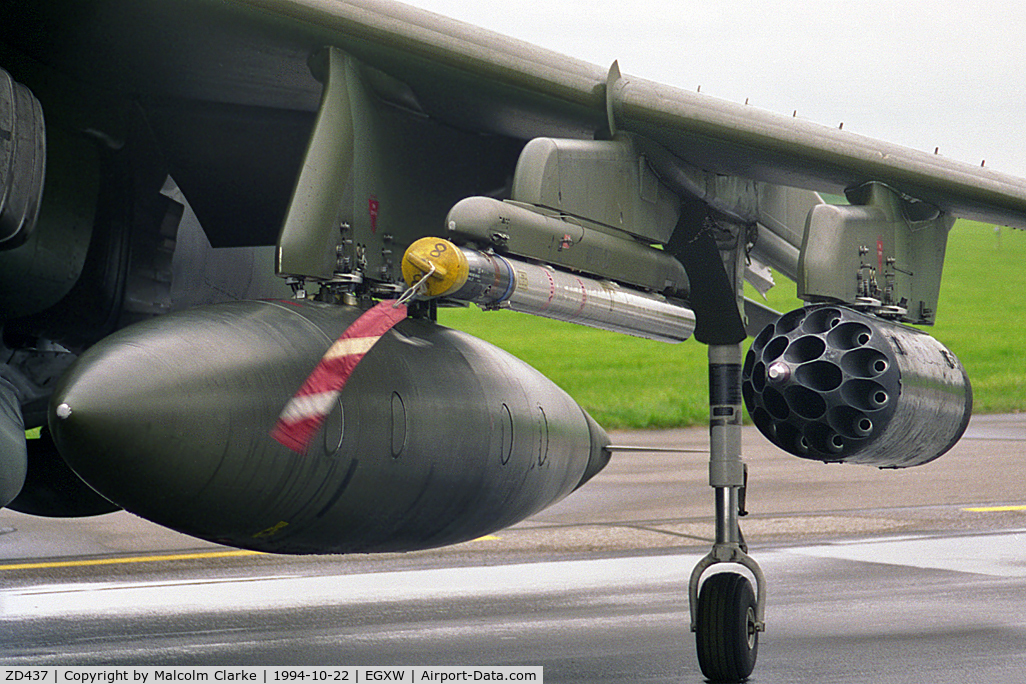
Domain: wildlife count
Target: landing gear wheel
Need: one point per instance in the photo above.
(726, 633)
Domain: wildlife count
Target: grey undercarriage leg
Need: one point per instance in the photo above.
(725, 616)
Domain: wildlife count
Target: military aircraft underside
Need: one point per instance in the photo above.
(346, 156)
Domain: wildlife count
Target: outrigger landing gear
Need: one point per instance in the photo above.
(726, 615)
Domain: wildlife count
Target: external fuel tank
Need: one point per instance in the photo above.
(437, 438)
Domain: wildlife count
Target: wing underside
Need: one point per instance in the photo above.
(222, 78)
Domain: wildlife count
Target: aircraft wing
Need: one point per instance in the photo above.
(195, 63)
(473, 78)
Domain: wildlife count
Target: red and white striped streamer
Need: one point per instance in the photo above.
(305, 412)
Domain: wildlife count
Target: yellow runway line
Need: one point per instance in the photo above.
(995, 509)
(132, 559)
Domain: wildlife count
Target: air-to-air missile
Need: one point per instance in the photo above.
(437, 438)
(493, 281)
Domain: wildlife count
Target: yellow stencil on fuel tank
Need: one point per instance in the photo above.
(271, 531)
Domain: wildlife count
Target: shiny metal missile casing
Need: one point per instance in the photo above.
(437, 438)
(491, 280)
(832, 384)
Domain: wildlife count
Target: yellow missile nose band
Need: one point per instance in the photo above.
(450, 266)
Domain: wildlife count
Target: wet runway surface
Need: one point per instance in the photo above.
(916, 576)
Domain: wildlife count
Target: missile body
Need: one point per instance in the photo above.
(437, 438)
(491, 280)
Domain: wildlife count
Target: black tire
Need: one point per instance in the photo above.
(725, 633)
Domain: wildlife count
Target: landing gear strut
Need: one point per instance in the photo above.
(726, 615)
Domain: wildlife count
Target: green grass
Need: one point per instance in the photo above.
(622, 381)
(982, 313)
(626, 382)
